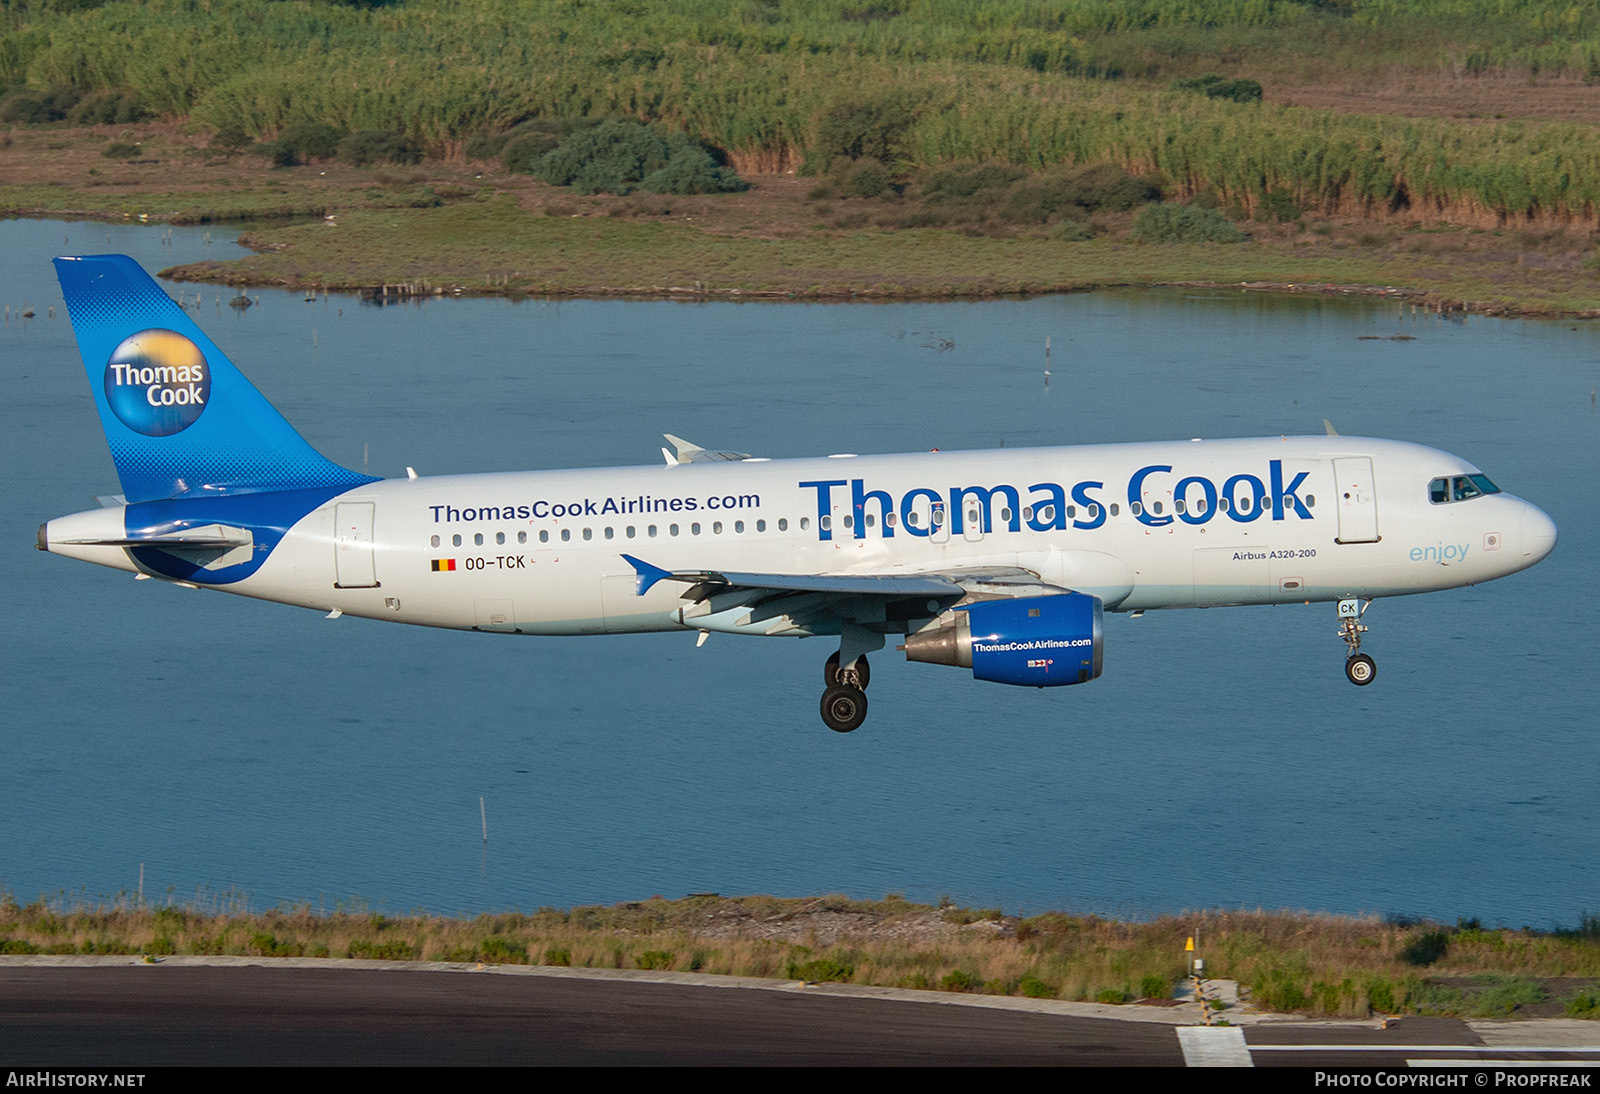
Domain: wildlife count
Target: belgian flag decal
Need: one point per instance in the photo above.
(443, 565)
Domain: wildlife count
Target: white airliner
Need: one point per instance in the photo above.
(1001, 562)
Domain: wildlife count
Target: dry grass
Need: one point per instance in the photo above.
(1292, 961)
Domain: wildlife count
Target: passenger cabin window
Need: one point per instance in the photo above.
(434, 541)
(522, 537)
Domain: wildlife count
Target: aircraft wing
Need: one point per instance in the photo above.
(794, 602)
(689, 452)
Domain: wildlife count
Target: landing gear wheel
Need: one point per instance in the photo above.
(830, 672)
(844, 709)
(1361, 669)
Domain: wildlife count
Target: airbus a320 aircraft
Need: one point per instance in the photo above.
(1000, 562)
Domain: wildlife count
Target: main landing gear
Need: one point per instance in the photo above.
(1359, 668)
(844, 704)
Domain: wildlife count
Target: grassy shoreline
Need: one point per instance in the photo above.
(1287, 962)
(465, 228)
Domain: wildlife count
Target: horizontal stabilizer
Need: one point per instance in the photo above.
(211, 537)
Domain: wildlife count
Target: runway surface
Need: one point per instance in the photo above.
(113, 1013)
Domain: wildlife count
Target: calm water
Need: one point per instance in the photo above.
(241, 748)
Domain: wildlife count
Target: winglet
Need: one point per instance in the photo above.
(1327, 425)
(648, 575)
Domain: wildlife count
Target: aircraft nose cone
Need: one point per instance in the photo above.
(1538, 534)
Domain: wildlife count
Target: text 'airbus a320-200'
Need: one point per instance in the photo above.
(1001, 562)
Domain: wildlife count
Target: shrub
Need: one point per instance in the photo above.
(963, 180)
(312, 140)
(1072, 231)
(1110, 995)
(376, 146)
(107, 108)
(1280, 990)
(1216, 87)
(876, 128)
(393, 950)
(821, 970)
(1586, 1004)
(485, 146)
(1076, 191)
(1034, 988)
(229, 140)
(1277, 205)
(617, 157)
(692, 170)
(500, 952)
(866, 180)
(1425, 948)
(656, 959)
(1154, 987)
(960, 980)
(25, 107)
(521, 147)
(558, 955)
(1169, 222)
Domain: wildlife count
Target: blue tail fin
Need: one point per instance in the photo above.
(180, 419)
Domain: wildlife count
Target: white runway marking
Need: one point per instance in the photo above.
(1214, 1046)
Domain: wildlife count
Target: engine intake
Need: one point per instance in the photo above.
(1037, 641)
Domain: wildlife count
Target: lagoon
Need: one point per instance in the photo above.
(248, 753)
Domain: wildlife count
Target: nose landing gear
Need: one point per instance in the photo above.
(1359, 668)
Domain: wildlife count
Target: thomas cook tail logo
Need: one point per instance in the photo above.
(157, 382)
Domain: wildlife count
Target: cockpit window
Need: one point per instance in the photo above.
(1460, 488)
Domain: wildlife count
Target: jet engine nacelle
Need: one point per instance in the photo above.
(1039, 641)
